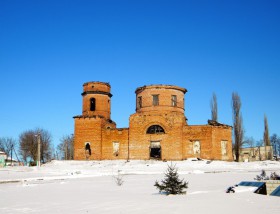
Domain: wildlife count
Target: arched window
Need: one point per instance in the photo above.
(92, 104)
(155, 129)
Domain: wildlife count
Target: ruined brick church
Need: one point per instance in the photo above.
(157, 130)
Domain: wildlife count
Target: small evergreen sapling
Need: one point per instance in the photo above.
(119, 179)
(171, 183)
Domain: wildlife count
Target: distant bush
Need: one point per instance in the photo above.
(32, 163)
(263, 176)
(274, 176)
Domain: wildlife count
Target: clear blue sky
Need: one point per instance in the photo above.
(48, 49)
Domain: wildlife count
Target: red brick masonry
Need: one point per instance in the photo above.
(158, 129)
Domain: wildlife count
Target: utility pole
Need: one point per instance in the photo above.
(72, 147)
(12, 155)
(66, 149)
(39, 149)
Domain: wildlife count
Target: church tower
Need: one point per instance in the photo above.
(95, 118)
(97, 99)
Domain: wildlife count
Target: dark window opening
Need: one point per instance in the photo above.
(155, 150)
(155, 153)
(155, 129)
(139, 102)
(174, 100)
(88, 149)
(92, 104)
(155, 100)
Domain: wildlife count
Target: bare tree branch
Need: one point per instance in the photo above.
(6, 144)
(29, 145)
(66, 147)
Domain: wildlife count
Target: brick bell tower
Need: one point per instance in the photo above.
(97, 99)
(96, 115)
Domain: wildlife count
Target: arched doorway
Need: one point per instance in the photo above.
(87, 150)
(155, 146)
(155, 150)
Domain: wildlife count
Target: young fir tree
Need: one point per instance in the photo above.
(171, 183)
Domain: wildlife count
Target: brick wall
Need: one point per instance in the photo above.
(87, 130)
(203, 135)
(219, 134)
(171, 141)
(110, 136)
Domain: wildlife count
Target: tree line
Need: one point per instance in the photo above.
(26, 147)
(239, 140)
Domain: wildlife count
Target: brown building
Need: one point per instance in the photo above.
(157, 130)
(258, 153)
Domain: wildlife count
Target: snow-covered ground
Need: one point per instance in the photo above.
(90, 187)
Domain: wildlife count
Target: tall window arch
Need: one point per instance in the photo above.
(155, 129)
(92, 104)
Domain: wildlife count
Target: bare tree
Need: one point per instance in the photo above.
(7, 144)
(214, 108)
(237, 125)
(29, 145)
(249, 142)
(260, 143)
(266, 138)
(66, 147)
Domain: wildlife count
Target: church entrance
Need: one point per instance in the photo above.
(87, 150)
(155, 150)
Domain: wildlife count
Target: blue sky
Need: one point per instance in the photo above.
(48, 49)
